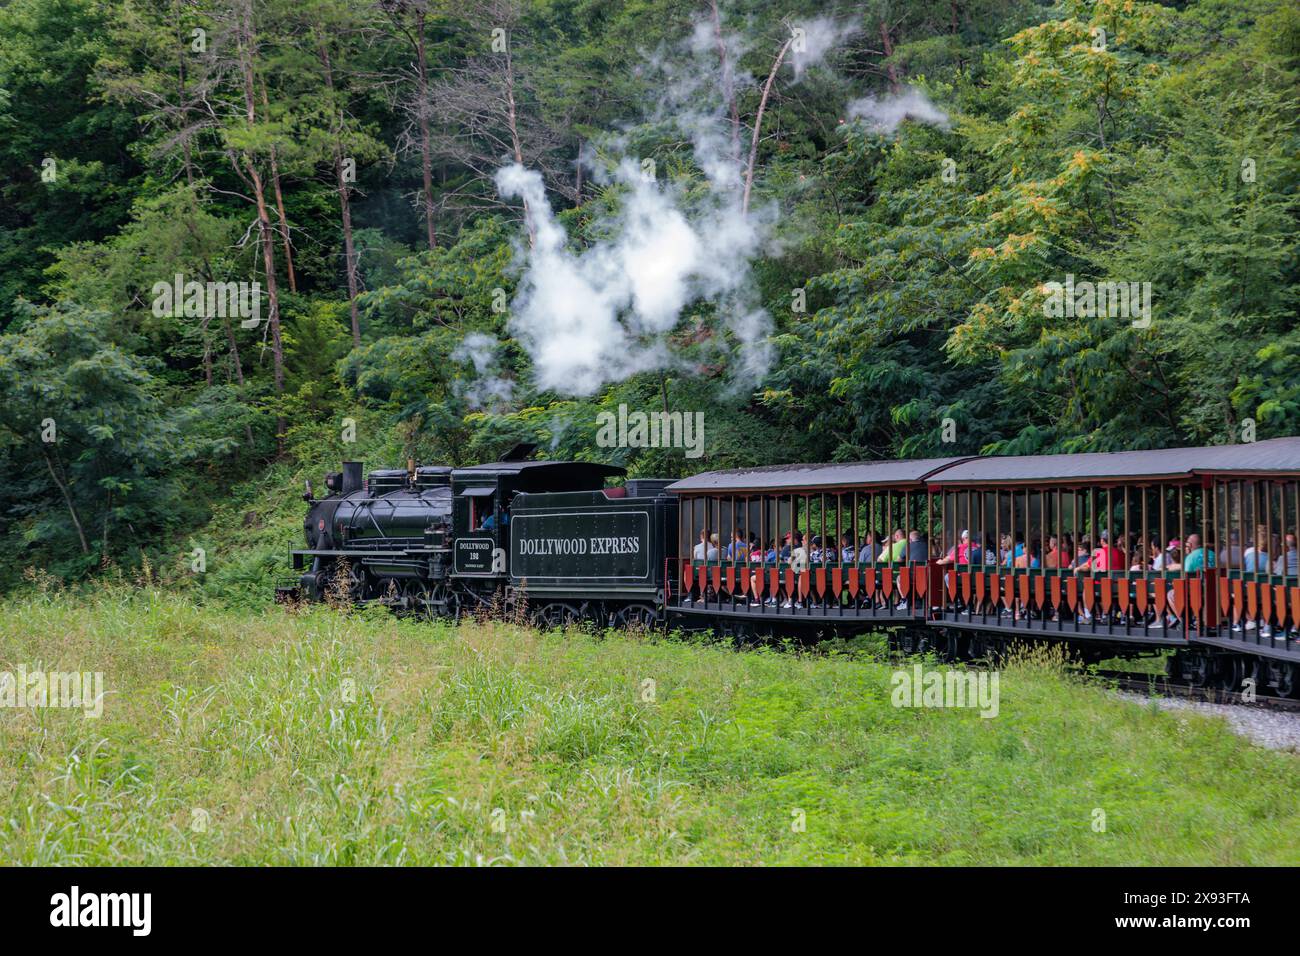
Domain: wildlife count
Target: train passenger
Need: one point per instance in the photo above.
(799, 565)
(758, 556)
(1167, 555)
(1012, 549)
(1198, 558)
(918, 547)
(1052, 558)
(1256, 559)
(960, 553)
(1031, 558)
(1107, 557)
(1289, 561)
(1141, 561)
(737, 548)
(785, 548)
(707, 549)
(1232, 557)
(848, 554)
(895, 548)
(867, 547)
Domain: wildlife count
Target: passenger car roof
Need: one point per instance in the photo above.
(1274, 456)
(1280, 456)
(830, 476)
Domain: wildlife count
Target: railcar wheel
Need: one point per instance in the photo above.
(1192, 669)
(1283, 678)
(1233, 670)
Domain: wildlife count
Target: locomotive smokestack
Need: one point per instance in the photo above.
(351, 477)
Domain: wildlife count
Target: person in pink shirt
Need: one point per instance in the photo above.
(1105, 558)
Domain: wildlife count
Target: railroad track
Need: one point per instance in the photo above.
(1161, 684)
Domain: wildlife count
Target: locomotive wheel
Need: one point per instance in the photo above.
(345, 583)
(422, 599)
(635, 617)
(398, 594)
(557, 614)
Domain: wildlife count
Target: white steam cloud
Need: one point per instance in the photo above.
(887, 113)
(814, 39)
(597, 315)
(601, 314)
(487, 389)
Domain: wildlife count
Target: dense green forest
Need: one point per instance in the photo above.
(834, 229)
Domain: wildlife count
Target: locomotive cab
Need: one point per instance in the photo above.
(481, 499)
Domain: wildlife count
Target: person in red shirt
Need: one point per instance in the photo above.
(1105, 558)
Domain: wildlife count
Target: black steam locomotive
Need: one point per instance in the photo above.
(547, 537)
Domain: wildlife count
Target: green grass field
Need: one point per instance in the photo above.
(329, 738)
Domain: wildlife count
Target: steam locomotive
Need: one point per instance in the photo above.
(974, 551)
(546, 536)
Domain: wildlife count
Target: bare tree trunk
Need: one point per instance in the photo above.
(279, 208)
(577, 185)
(268, 262)
(207, 350)
(349, 252)
(887, 44)
(103, 540)
(513, 123)
(728, 80)
(345, 206)
(234, 352)
(67, 498)
(426, 148)
(186, 149)
(758, 124)
(265, 231)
